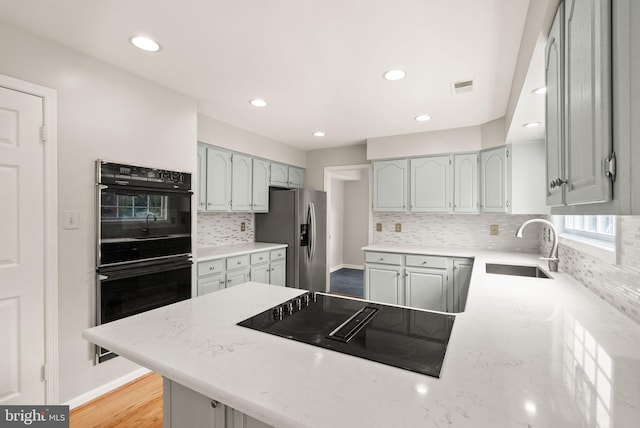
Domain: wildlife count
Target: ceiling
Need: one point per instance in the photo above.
(319, 63)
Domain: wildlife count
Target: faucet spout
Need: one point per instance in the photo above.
(146, 230)
(553, 257)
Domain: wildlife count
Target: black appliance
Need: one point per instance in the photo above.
(143, 254)
(406, 338)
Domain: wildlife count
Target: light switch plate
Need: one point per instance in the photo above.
(398, 227)
(242, 227)
(494, 229)
(378, 227)
(71, 220)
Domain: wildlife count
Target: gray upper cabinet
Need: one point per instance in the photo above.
(202, 177)
(390, 185)
(431, 185)
(494, 180)
(218, 179)
(465, 182)
(279, 175)
(296, 177)
(578, 71)
(241, 183)
(554, 72)
(261, 170)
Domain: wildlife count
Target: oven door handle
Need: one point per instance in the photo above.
(129, 272)
(142, 189)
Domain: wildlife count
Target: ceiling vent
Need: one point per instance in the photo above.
(462, 86)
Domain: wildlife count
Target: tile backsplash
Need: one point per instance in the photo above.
(457, 230)
(617, 284)
(224, 229)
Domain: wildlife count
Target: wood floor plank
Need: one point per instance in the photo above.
(138, 404)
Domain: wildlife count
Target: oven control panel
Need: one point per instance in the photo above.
(141, 176)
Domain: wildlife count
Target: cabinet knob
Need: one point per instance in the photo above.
(424, 262)
(214, 403)
(211, 268)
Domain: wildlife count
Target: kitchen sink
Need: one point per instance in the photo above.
(516, 270)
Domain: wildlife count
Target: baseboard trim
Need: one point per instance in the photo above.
(343, 266)
(107, 387)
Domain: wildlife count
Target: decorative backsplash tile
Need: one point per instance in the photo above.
(224, 229)
(457, 230)
(619, 284)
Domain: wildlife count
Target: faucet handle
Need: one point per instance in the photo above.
(554, 259)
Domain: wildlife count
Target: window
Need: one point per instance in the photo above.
(598, 227)
(133, 207)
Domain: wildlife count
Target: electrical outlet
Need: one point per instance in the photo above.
(494, 229)
(378, 227)
(242, 227)
(71, 220)
(398, 227)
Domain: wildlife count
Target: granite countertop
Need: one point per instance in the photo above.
(211, 253)
(526, 352)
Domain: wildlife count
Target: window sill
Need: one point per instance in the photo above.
(603, 251)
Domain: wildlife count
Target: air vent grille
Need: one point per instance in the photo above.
(462, 86)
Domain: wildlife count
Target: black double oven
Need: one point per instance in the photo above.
(143, 258)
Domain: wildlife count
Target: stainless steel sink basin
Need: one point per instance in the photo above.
(530, 271)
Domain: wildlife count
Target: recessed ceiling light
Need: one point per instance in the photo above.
(540, 91)
(531, 124)
(258, 102)
(394, 75)
(145, 43)
(318, 134)
(422, 118)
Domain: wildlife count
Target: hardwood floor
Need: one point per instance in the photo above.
(137, 404)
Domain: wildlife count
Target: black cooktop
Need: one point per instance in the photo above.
(401, 337)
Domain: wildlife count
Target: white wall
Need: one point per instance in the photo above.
(317, 160)
(356, 220)
(103, 113)
(335, 216)
(217, 133)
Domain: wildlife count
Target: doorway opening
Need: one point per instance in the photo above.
(348, 226)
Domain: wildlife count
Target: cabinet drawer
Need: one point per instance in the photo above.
(210, 267)
(426, 261)
(238, 262)
(278, 254)
(385, 258)
(257, 258)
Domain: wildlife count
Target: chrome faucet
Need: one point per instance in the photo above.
(553, 257)
(146, 230)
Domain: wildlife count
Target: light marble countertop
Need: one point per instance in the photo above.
(526, 352)
(211, 253)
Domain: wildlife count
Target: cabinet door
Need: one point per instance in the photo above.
(277, 273)
(390, 186)
(211, 283)
(241, 194)
(296, 177)
(431, 184)
(202, 177)
(461, 276)
(183, 407)
(260, 273)
(554, 74)
(279, 175)
(218, 179)
(261, 185)
(384, 284)
(587, 114)
(465, 181)
(236, 419)
(426, 289)
(493, 180)
(236, 277)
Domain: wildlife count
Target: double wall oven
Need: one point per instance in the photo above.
(143, 257)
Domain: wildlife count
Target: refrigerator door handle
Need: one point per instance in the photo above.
(312, 230)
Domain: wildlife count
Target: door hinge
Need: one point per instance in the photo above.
(43, 373)
(43, 134)
(610, 167)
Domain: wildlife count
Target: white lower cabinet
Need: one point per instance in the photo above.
(211, 283)
(384, 284)
(185, 408)
(277, 273)
(429, 282)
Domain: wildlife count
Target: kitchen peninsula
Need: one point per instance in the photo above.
(525, 352)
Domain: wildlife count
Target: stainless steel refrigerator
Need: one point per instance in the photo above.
(298, 218)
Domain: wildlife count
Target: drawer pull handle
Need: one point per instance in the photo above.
(239, 263)
(424, 263)
(211, 268)
(381, 259)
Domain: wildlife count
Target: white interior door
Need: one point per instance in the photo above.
(21, 249)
